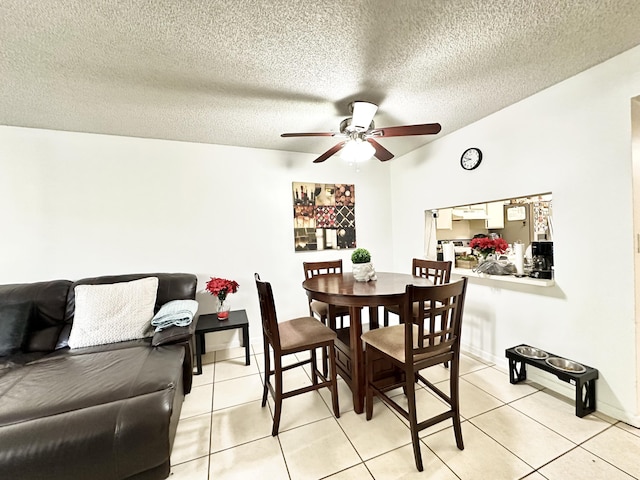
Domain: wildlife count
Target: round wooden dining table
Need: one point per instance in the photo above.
(342, 289)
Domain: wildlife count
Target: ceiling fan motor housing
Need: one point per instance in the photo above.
(347, 127)
(362, 114)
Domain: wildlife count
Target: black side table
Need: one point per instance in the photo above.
(209, 323)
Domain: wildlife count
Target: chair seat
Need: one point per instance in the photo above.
(390, 340)
(302, 332)
(322, 309)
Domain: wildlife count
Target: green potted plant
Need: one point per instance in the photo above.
(466, 261)
(361, 255)
(363, 270)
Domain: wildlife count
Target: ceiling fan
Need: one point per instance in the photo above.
(360, 134)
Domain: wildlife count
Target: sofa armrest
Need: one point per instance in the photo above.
(174, 334)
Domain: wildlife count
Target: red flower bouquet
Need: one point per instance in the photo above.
(487, 245)
(221, 287)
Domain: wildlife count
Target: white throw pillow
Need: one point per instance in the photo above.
(113, 312)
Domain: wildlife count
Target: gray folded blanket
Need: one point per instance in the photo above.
(176, 312)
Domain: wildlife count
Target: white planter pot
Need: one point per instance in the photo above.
(363, 272)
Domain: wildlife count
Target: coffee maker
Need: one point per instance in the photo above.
(541, 260)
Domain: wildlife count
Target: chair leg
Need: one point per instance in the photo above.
(415, 380)
(454, 381)
(278, 397)
(385, 316)
(413, 419)
(334, 381)
(314, 366)
(267, 368)
(325, 359)
(368, 400)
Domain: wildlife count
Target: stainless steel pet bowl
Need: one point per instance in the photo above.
(531, 352)
(566, 365)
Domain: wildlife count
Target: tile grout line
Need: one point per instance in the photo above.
(508, 404)
(609, 427)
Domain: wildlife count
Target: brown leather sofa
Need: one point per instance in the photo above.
(101, 412)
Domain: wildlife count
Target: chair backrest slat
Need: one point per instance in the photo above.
(438, 272)
(437, 328)
(268, 312)
(312, 269)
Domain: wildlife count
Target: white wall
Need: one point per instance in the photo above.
(574, 140)
(74, 205)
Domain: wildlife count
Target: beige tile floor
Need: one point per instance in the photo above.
(510, 432)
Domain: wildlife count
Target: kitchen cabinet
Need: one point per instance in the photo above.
(495, 215)
(445, 219)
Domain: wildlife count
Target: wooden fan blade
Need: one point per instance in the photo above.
(312, 134)
(333, 150)
(382, 153)
(405, 130)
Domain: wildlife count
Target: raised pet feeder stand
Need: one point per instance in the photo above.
(582, 377)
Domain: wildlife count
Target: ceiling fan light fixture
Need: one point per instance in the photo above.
(363, 113)
(357, 151)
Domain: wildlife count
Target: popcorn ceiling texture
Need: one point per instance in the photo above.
(242, 72)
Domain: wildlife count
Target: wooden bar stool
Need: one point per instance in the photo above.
(437, 271)
(286, 338)
(431, 338)
(312, 269)
(327, 313)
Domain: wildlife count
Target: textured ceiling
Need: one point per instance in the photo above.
(241, 72)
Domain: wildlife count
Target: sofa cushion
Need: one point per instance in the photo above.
(91, 413)
(49, 306)
(171, 286)
(70, 380)
(14, 323)
(112, 313)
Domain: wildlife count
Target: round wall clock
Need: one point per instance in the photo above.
(471, 158)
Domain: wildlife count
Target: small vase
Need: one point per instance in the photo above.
(223, 310)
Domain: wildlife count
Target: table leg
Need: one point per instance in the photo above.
(199, 352)
(373, 317)
(331, 317)
(357, 359)
(245, 341)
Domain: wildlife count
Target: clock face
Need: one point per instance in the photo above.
(471, 158)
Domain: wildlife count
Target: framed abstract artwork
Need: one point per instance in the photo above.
(323, 216)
